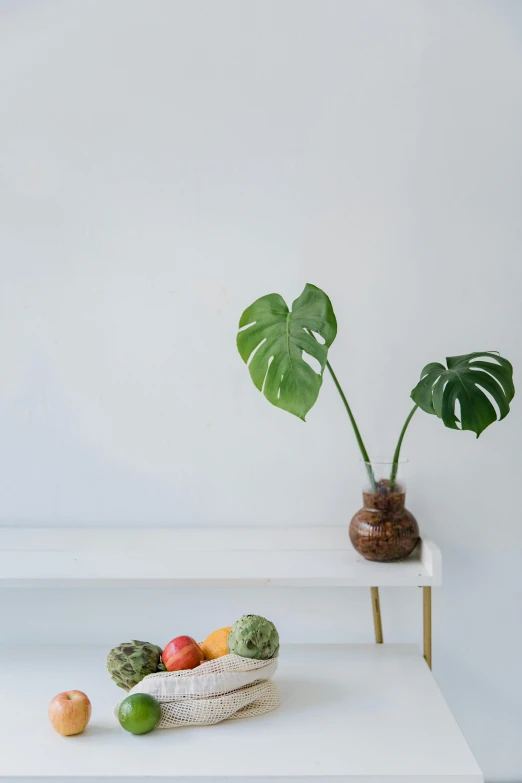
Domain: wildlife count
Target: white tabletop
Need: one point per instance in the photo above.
(202, 557)
(349, 713)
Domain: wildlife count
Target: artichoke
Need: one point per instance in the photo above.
(254, 637)
(131, 661)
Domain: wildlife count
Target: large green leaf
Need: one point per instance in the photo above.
(272, 340)
(464, 381)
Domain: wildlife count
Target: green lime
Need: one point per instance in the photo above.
(139, 713)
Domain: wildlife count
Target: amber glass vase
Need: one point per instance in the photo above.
(383, 529)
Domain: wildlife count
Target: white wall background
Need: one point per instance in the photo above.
(163, 164)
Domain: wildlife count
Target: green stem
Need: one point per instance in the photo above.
(395, 464)
(360, 443)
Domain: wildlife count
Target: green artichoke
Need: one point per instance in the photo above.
(131, 661)
(254, 637)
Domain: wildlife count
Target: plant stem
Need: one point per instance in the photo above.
(395, 463)
(360, 443)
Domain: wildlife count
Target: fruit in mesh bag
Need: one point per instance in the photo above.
(131, 661)
(183, 652)
(216, 644)
(254, 637)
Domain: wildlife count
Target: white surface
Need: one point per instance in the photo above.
(164, 163)
(192, 557)
(349, 712)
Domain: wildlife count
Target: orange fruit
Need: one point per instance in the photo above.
(215, 645)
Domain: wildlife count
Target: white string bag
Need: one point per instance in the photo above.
(227, 688)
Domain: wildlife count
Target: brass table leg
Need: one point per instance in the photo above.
(376, 607)
(426, 594)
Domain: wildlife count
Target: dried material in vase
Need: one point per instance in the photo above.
(384, 530)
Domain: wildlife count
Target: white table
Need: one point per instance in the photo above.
(348, 713)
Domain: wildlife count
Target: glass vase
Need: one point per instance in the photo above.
(383, 529)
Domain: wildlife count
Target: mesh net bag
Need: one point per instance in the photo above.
(226, 688)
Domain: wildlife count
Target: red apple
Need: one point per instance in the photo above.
(70, 712)
(183, 652)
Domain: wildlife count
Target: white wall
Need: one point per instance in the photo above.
(163, 164)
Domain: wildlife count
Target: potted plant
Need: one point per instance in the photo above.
(272, 340)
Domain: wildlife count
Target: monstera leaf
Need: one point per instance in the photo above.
(272, 340)
(466, 379)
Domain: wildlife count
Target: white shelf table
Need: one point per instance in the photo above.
(349, 712)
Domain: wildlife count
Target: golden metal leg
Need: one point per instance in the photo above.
(376, 607)
(426, 594)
